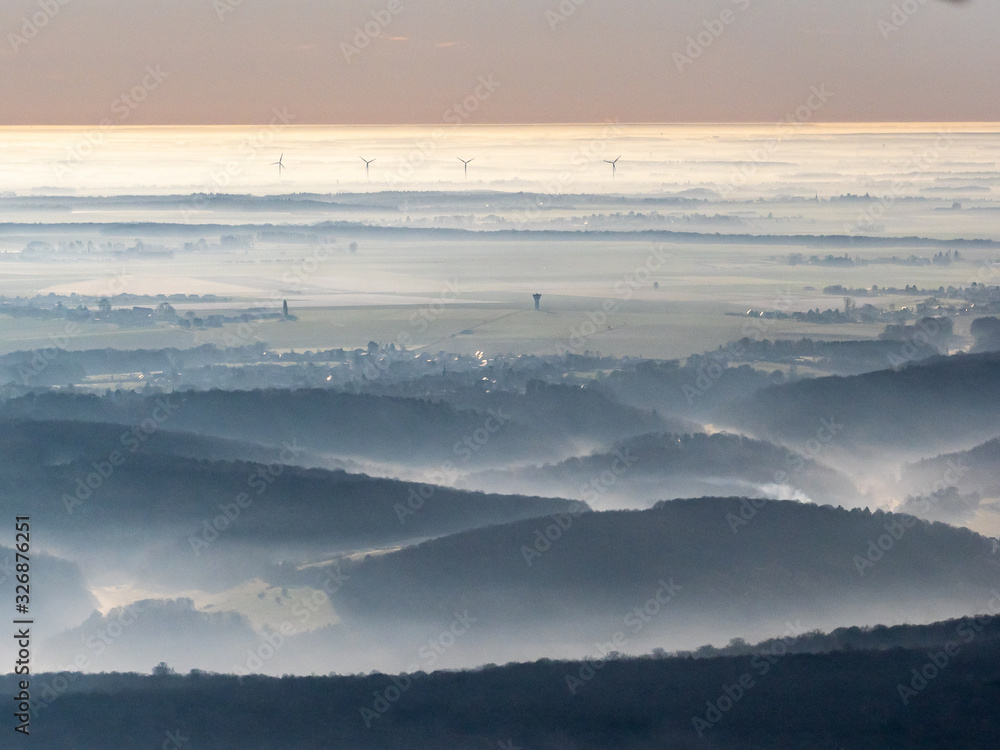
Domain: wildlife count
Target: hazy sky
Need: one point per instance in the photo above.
(236, 61)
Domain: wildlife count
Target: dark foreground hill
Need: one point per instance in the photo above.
(683, 572)
(564, 585)
(943, 695)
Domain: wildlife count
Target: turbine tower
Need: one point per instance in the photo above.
(466, 162)
(614, 166)
(368, 163)
(279, 165)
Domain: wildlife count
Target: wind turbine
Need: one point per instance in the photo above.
(279, 165)
(614, 166)
(466, 162)
(368, 163)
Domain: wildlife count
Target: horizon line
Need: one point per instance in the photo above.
(449, 126)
